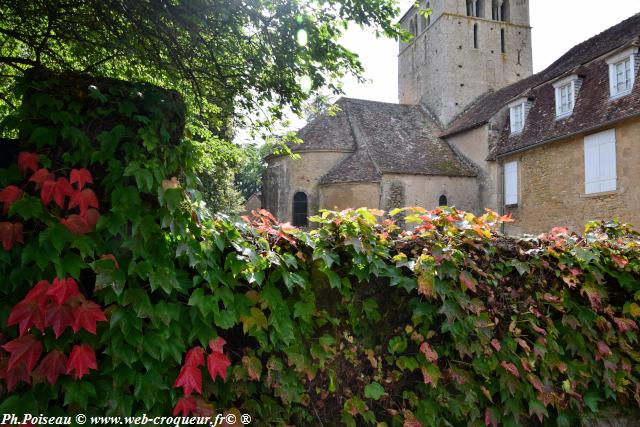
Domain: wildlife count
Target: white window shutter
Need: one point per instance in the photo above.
(600, 162)
(511, 183)
(608, 161)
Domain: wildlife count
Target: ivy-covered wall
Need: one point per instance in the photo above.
(121, 297)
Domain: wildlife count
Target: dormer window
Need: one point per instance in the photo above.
(518, 114)
(566, 90)
(622, 72)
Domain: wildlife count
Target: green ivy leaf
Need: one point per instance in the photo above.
(373, 391)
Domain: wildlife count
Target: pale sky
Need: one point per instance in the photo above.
(558, 25)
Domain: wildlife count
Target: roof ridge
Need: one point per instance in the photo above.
(357, 134)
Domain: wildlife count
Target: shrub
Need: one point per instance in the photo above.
(120, 297)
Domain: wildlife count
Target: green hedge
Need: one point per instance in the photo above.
(133, 301)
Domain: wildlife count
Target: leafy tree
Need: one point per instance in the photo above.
(229, 59)
(248, 180)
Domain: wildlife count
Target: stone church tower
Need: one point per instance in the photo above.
(462, 50)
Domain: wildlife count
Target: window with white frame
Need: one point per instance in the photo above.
(565, 99)
(622, 72)
(600, 162)
(511, 183)
(517, 117)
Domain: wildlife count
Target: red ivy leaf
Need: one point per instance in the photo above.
(429, 353)
(52, 366)
(27, 162)
(17, 374)
(81, 359)
(603, 349)
(217, 364)
(81, 177)
(195, 357)
(26, 314)
(468, 281)
(489, 418)
(84, 199)
(58, 317)
(10, 233)
(190, 378)
(91, 216)
(38, 293)
(496, 344)
(62, 289)
(46, 192)
(76, 224)
(40, 176)
(620, 261)
(511, 368)
(86, 315)
(185, 405)
(25, 349)
(8, 196)
(217, 344)
(625, 325)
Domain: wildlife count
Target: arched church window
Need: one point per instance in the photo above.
(471, 8)
(503, 45)
(423, 23)
(480, 8)
(475, 8)
(442, 201)
(429, 17)
(300, 209)
(475, 36)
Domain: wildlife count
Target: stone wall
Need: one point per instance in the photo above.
(551, 185)
(474, 146)
(442, 69)
(286, 176)
(425, 191)
(350, 195)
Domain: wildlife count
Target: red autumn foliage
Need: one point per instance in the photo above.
(217, 364)
(84, 200)
(10, 233)
(56, 190)
(80, 177)
(190, 379)
(86, 315)
(51, 366)
(63, 289)
(81, 359)
(25, 349)
(195, 357)
(27, 162)
(185, 406)
(25, 314)
(58, 317)
(40, 176)
(8, 196)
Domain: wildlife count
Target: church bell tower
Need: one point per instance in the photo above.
(462, 50)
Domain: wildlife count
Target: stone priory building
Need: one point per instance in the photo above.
(475, 129)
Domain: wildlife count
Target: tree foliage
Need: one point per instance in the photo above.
(156, 309)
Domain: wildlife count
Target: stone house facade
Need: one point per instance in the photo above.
(476, 129)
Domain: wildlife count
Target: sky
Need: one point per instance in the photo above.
(558, 25)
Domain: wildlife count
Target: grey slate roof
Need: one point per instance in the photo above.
(485, 107)
(383, 138)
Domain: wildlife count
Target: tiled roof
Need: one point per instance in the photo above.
(384, 138)
(577, 60)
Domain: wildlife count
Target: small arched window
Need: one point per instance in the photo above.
(475, 36)
(503, 45)
(504, 12)
(300, 209)
(442, 201)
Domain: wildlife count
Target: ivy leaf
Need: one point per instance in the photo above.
(58, 317)
(51, 366)
(25, 349)
(8, 196)
(217, 364)
(81, 177)
(511, 368)
(84, 200)
(468, 281)
(429, 353)
(17, 374)
(10, 233)
(195, 357)
(86, 315)
(253, 366)
(27, 162)
(40, 176)
(373, 391)
(185, 406)
(26, 314)
(63, 289)
(190, 379)
(431, 375)
(81, 359)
